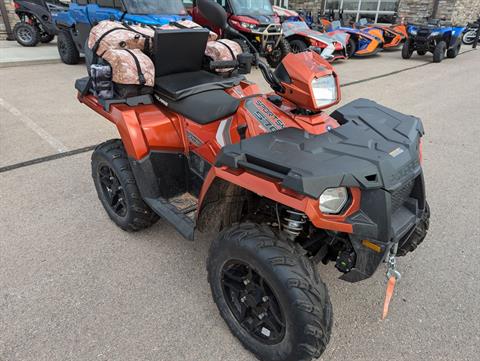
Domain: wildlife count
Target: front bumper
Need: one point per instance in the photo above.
(386, 218)
(268, 37)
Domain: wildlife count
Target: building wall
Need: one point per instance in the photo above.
(466, 11)
(445, 9)
(11, 15)
(311, 5)
(415, 10)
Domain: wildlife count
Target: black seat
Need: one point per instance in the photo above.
(205, 107)
(180, 85)
(178, 58)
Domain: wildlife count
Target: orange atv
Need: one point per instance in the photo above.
(284, 183)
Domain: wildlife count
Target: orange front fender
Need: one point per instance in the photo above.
(273, 190)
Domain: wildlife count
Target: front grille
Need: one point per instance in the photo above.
(423, 33)
(400, 195)
(271, 29)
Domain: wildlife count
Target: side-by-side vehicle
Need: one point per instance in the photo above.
(74, 24)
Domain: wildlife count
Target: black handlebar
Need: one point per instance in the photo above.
(223, 64)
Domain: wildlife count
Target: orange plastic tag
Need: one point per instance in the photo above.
(388, 296)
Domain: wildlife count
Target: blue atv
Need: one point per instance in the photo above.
(433, 37)
(75, 23)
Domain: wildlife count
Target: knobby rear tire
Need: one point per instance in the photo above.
(138, 214)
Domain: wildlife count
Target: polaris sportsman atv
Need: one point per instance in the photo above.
(433, 37)
(36, 21)
(74, 25)
(255, 20)
(282, 182)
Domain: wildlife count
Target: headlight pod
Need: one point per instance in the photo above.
(332, 200)
(248, 25)
(324, 90)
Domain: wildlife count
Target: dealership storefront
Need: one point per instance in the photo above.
(374, 10)
(387, 11)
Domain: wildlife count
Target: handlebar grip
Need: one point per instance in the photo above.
(223, 64)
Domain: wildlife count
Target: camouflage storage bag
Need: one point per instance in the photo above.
(133, 72)
(109, 34)
(187, 24)
(223, 50)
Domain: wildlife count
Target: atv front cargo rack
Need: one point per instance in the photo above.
(375, 147)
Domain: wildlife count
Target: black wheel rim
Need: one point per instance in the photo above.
(252, 302)
(25, 35)
(112, 190)
(350, 50)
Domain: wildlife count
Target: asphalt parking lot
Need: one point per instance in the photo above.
(73, 286)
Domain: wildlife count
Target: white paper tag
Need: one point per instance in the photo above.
(266, 332)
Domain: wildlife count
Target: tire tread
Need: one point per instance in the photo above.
(141, 216)
(285, 257)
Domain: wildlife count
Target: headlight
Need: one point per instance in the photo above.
(324, 90)
(434, 33)
(413, 32)
(333, 200)
(248, 25)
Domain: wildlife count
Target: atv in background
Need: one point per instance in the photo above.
(433, 37)
(331, 46)
(74, 24)
(256, 20)
(36, 20)
(393, 35)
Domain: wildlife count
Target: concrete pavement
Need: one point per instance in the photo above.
(75, 287)
(13, 54)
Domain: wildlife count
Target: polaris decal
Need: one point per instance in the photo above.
(395, 152)
(407, 170)
(264, 115)
(194, 139)
(163, 101)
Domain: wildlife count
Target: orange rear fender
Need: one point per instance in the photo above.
(144, 127)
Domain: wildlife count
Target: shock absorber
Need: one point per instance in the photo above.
(293, 223)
